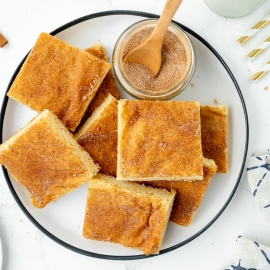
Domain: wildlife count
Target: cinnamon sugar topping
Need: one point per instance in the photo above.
(173, 65)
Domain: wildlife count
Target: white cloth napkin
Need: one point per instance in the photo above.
(258, 173)
(250, 255)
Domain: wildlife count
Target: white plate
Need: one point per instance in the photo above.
(63, 220)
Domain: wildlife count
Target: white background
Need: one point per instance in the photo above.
(25, 247)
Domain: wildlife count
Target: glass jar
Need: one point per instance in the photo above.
(162, 94)
(234, 8)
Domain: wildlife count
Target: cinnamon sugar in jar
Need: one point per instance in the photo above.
(177, 67)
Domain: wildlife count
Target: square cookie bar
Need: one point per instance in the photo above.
(127, 213)
(189, 194)
(45, 158)
(159, 140)
(58, 77)
(214, 122)
(98, 135)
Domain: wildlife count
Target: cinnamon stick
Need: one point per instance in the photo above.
(3, 41)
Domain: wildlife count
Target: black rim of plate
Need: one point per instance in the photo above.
(131, 257)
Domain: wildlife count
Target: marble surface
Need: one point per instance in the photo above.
(25, 247)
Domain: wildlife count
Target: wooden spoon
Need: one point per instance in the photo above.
(148, 53)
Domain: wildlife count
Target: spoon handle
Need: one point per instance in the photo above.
(167, 14)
